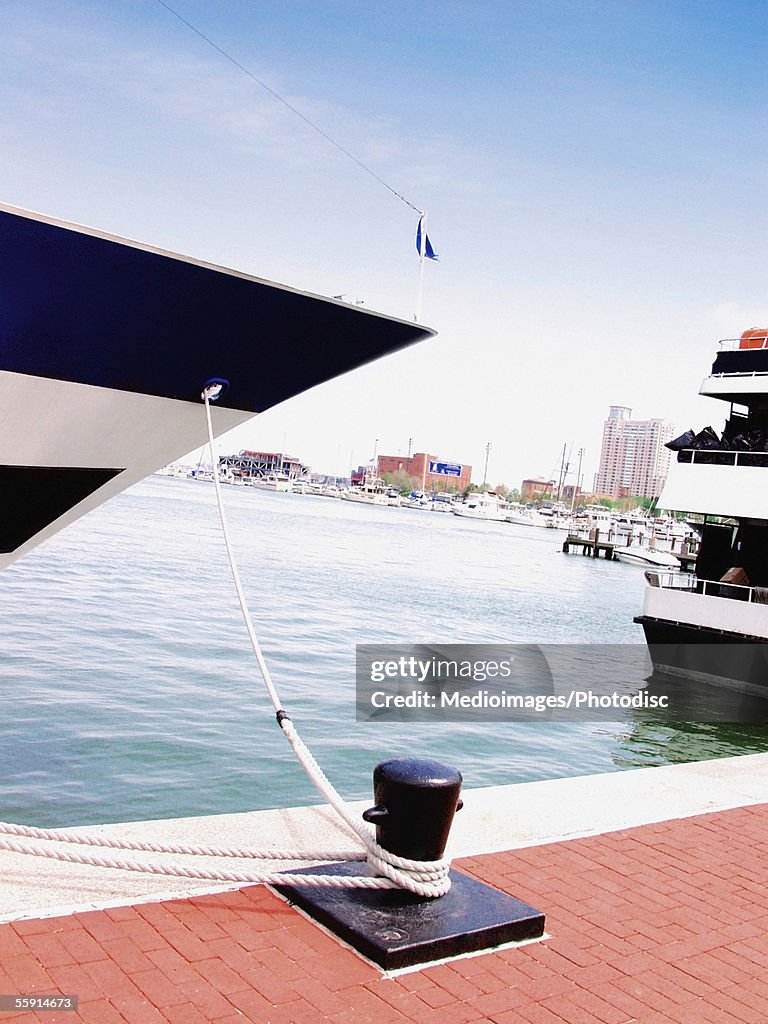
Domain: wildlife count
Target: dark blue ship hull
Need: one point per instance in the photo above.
(106, 344)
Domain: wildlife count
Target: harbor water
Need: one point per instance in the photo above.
(130, 690)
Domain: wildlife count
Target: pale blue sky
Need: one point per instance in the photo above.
(595, 176)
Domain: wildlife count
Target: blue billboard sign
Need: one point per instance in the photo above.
(444, 468)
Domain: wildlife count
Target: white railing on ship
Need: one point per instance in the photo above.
(724, 457)
(671, 580)
(730, 344)
(709, 588)
(740, 373)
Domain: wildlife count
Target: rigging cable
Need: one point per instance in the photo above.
(272, 92)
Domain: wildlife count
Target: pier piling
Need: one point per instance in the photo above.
(590, 546)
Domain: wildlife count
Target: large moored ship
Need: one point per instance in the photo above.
(106, 345)
(713, 624)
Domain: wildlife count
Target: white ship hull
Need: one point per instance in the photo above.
(118, 437)
(713, 626)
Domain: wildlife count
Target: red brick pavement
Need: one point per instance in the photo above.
(660, 924)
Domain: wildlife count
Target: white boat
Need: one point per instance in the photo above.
(555, 518)
(442, 503)
(417, 500)
(106, 346)
(523, 516)
(331, 491)
(364, 496)
(713, 625)
(483, 505)
(429, 502)
(602, 519)
(371, 491)
(667, 528)
(633, 524)
(647, 557)
(272, 482)
(595, 517)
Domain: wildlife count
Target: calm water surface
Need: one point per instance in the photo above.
(130, 691)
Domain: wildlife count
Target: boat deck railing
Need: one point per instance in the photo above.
(733, 344)
(739, 373)
(721, 457)
(709, 588)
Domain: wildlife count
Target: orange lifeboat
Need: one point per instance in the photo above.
(755, 337)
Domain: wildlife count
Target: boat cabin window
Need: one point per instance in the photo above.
(716, 552)
(752, 552)
(726, 548)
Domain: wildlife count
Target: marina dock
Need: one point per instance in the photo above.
(654, 882)
(591, 545)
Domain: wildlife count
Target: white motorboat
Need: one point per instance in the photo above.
(272, 482)
(371, 491)
(647, 557)
(417, 500)
(634, 525)
(483, 505)
(429, 503)
(523, 516)
(555, 518)
(442, 503)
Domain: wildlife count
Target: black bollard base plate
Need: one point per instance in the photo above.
(397, 929)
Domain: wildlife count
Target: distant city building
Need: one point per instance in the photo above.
(532, 490)
(633, 459)
(438, 474)
(256, 464)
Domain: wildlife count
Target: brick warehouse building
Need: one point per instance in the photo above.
(414, 467)
(532, 490)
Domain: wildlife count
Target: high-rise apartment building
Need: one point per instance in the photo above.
(633, 459)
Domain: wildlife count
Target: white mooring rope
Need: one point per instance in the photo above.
(61, 835)
(424, 878)
(148, 867)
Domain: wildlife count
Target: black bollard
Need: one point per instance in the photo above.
(416, 800)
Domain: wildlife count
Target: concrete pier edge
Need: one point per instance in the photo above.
(494, 819)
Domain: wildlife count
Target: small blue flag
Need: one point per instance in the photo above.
(429, 252)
